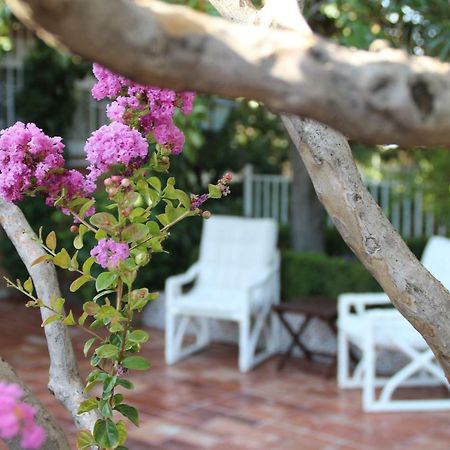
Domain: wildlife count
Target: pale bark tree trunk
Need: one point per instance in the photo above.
(307, 214)
(64, 381)
(55, 437)
(327, 156)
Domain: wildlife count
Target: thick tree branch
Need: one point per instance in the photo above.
(55, 437)
(64, 381)
(361, 222)
(384, 97)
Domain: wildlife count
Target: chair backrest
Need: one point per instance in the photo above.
(436, 259)
(235, 250)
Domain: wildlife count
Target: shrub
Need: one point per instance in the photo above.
(305, 274)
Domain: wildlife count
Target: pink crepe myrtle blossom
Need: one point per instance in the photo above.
(169, 136)
(27, 158)
(146, 108)
(113, 144)
(109, 253)
(17, 418)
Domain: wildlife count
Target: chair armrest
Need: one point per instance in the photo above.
(359, 301)
(174, 283)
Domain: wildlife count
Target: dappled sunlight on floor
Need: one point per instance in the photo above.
(205, 403)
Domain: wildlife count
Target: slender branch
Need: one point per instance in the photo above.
(64, 382)
(55, 437)
(84, 222)
(384, 97)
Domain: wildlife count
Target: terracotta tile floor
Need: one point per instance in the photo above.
(205, 403)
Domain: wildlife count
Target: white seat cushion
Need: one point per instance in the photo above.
(220, 303)
(388, 328)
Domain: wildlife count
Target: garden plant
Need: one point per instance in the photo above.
(130, 158)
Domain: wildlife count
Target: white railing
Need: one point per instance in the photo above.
(405, 207)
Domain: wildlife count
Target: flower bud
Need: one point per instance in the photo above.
(142, 258)
(108, 182)
(206, 214)
(125, 183)
(116, 179)
(165, 160)
(228, 176)
(74, 229)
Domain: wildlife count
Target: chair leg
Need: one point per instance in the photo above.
(343, 360)
(170, 350)
(369, 375)
(244, 345)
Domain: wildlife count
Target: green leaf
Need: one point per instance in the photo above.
(76, 284)
(124, 383)
(164, 220)
(62, 259)
(101, 234)
(91, 308)
(74, 262)
(105, 408)
(105, 280)
(155, 183)
(108, 385)
(136, 363)
(107, 351)
(105, 221)
(88, 345)
(103, 294)
(117, 399)
(86, 207)
(214, 191)
(28, 285)
(69, 320)
(85, 440)
(134, 232)
(59, 303)
(78, 242)
(88, 265)
(82, 318)
(129, 412)
(41, 259)
(123, 434)
(50, 242)
(106, 433)
(138, 336)
(51, 319)
(87, 405)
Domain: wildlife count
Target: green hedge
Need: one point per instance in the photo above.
(314, 274)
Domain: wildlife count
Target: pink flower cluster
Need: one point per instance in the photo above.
(27, 157)
(112, 144)
(108, 253)
(17, 418)
(31, 161)
(150, 109)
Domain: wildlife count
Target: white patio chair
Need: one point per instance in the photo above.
(236, 278)
(376, 329)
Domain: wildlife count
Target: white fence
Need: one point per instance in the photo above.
(405, 207)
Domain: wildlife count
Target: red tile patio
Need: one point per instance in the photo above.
(205, 403)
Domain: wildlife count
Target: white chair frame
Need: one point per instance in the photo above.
(422, 360)
(257, 326)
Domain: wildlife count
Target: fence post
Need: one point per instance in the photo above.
(248, 190)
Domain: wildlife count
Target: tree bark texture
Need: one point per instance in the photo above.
(327, 156)
(55, 437)
(378, 98)
(64, 379)
(307, 214)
